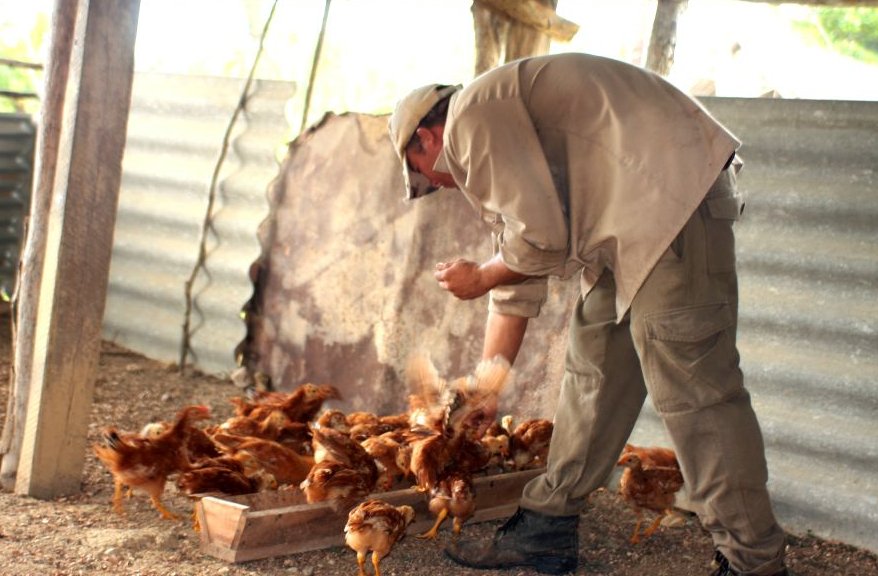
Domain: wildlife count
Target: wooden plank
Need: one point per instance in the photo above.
(263, 525)
(79, 239)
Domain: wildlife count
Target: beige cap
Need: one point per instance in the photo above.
(405, 119)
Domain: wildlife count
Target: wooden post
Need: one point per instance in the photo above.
(34, 249)
(663, 40)
(506, 30)
(78, 240)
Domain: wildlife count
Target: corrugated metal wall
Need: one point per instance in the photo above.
(808, 252)
(808, 263)
(174, 141)
(17, 133)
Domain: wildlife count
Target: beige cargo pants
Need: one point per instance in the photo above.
(678, 342)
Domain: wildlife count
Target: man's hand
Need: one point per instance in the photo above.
(462, 278)
(468, 280)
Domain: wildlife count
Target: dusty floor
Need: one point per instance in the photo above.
(80, 534)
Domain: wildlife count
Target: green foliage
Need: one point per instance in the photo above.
(851, 31)
(23, 43)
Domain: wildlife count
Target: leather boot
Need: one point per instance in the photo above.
(721, 567)
(549, 544)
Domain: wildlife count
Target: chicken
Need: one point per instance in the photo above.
(650, 481)
(336, 483)
(446, 441)
(384, 450)
(449, 419)
(429, 396)
(343, 471)
(224, 475)
(496, 442)
(286, 465)
(145, 463)
(376, 526)
(275, 425)
(333, 445)
(335, 419)
(428, 458)
(474, 406)
(198, 445)
(529, 443)
(301, 405)
(453, 496)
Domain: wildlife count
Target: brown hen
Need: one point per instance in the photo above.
(529, 443)
(301, 405)
(453, 496)
(286, 465)
(145, 462)
(376, 526)
(650, 481)
(343, 471)
(224, 475)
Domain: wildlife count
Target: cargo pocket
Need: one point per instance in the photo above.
(692, 360)
(721, 215)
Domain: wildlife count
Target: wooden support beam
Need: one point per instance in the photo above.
(30, 267)
(535, 14)
(663, 40)
(79, 239)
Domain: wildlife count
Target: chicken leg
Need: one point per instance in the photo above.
(434, 531)
(166, 514)
(376, 560)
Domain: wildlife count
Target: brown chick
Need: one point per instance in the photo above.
(650, 481)
(286, 465)
(336, 483)
(453, 496)
(335, 419)
(275, 425)
(652, 456)
(384, 450)
(429, 395)
(428, 458)
(474, 408)
(497, 446)
(198, 445)
(333, 445)
(145, 463)
(301, 405)
(376, 526)
(529, 443)
(343, 471)
(229, 479)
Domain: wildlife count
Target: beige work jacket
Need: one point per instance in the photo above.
(580, 163)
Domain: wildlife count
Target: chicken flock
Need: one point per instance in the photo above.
(449, 435)
(292, 441)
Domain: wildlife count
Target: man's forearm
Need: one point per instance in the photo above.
(503, 335)
(496, 273)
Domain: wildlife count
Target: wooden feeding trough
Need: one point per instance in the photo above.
(267, 524)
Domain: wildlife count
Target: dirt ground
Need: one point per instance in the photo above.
(80, 535)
